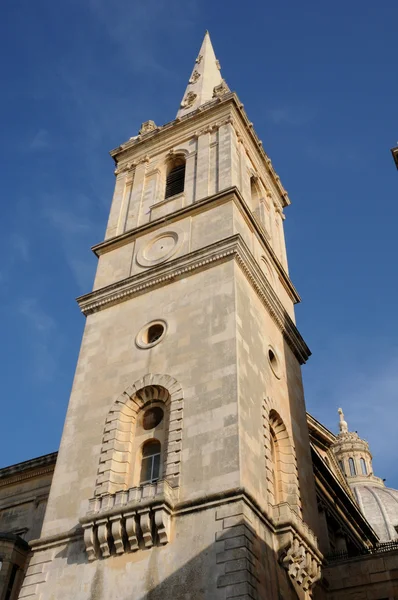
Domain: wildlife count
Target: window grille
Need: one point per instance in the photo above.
(175, 181)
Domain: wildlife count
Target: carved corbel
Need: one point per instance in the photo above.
(163, 524)
(300, 563)
(131, 530)
(90, 541)
(117, 529)
(146, 528)
(103, 537)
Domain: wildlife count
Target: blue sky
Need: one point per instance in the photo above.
(319, 82)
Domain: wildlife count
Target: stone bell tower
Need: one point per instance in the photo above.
(184, 469)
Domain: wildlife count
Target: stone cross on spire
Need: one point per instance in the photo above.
(342, 424)
(205, 82)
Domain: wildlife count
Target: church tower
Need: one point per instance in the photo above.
(184, 469)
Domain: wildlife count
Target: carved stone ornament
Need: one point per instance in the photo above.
(220, 90)
(218, 65)
(188, 100)
(147, 127)
(301, 564)
(199, 59)
(194, 77)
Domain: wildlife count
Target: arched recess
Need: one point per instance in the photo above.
(118, 439)
(280, 460)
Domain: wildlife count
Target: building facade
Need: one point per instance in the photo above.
(188, 467)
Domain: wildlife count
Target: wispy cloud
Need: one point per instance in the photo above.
(290, 116)
(147, 18)
(35, 316)
(68, 223)
(75, 226)
(365, 385)
(40, 141)
(43, 338)
(17, 252)
(19, 246)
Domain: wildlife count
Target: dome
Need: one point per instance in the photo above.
(379, 505)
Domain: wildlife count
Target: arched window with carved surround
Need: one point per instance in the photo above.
(149, 410)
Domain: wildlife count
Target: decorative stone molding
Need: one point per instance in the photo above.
(116, 449)
(298, 548)
(195, 76)
(160, 247)
(289, 488)
(199, 59)
(131, 528)
(148, 127)
(188, 100)
(125, 168)
(221, 89)
(234, 248)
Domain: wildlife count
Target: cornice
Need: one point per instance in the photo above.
(320, 433)
(28, 469)
(219, 198)
(232, 248)
(339, 501)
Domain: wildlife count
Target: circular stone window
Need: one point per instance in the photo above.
(274, 362)
(152, 418)
(151, 334)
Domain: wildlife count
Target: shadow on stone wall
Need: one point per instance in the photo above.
(239, 564)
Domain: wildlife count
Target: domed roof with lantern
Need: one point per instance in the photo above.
(378, 503)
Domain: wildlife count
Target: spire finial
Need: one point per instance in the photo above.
(205, 77)
(342, 424)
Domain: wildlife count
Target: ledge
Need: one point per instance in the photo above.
(220, 197)
(232, 248)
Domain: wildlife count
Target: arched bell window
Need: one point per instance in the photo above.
(175, 180)
(363, 467)
(341, 465)
(351, 465)
(150, 462)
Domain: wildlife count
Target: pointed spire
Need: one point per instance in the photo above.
(205, 77)
(342, 424)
